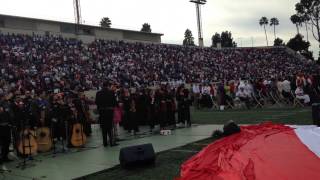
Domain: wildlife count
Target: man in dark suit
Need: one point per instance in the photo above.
(106, 102)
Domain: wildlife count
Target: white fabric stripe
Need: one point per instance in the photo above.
(310, 136)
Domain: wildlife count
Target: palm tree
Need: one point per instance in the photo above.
(297, 20)
(146, 28)
(105, 22)
(307, 31)
(263, 22)
(188, 38)
(304, 18)
(274, 22)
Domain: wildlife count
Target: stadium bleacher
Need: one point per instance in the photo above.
(47, 62)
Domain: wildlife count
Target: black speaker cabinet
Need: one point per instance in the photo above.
(135, 156)
(316, 114)
(230, 128)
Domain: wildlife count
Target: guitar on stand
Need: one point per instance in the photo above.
(44, 139)
(27, 145)
(78, 137)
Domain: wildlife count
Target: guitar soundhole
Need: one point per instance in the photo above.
(77, 131)
(42, 134)
(26, 136)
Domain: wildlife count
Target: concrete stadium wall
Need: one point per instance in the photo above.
(21, 25)
(141, 37)
(66, 35)
(55, 28)
(20, 31)
(108, 34)
(86, 39)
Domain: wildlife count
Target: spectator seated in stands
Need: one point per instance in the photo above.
(301, 96)
(286, 89)
(196, 95)
(206, 100)
(229, 94)
(243, 96)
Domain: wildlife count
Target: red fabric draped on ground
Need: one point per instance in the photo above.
(259, 152)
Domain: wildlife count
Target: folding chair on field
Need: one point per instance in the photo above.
(258, 101)
(274, 98)
(296, 102)
(215, 104)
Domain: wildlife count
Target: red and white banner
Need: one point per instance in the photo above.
(259, 152)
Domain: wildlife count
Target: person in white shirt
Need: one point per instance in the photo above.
(243, 96)
(206, 89)
(241, 85)
(280, 86)
(300, 95)
(286, 90)
(195, 89)
(248, 88)
(286, 86)
(206, 100)
(196, 95)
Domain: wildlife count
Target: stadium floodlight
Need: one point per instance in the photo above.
(77, 14)
(198, 4)
(199, 1)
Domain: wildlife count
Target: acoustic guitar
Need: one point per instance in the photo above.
(27, 144)
(44, 139)
(78, 137)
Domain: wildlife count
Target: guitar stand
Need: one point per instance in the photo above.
(64, 149)
(23, 165)
(85, 148)
(3, 171)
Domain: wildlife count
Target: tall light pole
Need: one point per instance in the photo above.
(77, 14)
(252, 41)
(240, 41)
(198, 4)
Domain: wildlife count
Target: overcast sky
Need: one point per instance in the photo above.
(172, 17)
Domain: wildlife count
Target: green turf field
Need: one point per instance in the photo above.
(298, 116)
(168, 162)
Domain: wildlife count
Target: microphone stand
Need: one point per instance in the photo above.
(23, 165)
(26, 111)
(64, 141)
(52, 136)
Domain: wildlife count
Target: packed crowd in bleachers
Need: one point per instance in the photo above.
(46, 63)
